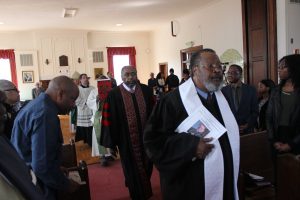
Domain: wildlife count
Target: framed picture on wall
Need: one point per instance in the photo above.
(27, 76)
(98, 71)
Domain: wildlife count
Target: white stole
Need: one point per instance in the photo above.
(213, 163)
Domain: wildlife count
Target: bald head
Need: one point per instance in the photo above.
(63, 91)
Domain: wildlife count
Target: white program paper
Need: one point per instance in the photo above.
(203, 124)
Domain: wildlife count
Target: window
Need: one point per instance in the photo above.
(128, 52)
(5, 72)
(119, 62)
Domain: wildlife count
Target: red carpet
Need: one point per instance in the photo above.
(107, 183)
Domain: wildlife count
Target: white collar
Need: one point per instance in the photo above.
(128, 88)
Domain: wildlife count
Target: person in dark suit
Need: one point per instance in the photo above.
(37, 90)
(172, 81)
(152, 82)
(16, 179)
(242, 99)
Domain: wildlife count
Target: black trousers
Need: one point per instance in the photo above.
(85, 134)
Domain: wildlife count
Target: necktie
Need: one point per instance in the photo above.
(209, 98)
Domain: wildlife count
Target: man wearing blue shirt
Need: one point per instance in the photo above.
(37, 135)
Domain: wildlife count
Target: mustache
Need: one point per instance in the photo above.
(216, 77)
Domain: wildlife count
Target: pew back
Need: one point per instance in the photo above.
(255, 155)
(69, 157)
(288, 177)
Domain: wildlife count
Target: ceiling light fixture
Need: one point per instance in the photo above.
(119, 24)
(69, 12)
(1, 23)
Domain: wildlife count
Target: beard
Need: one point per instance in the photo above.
(214, 84)
(130, 84)
(212, 87)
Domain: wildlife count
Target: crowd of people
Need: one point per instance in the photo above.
(144, 130)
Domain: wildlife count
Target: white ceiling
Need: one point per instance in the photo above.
(102, 15)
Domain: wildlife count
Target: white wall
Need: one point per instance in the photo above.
(281, 28)
(217, 26)
(101, 40)
(17, 40)
(288, 15)
(293, 27)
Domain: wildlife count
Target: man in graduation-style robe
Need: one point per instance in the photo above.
(191, 167)
(124, 116)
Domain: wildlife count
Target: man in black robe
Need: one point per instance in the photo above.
(124, 116)
(191, 167)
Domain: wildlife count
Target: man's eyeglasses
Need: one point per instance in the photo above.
(212, 67)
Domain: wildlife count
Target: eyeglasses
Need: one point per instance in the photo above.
(212, 67)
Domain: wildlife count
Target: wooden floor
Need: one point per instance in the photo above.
(83, 150)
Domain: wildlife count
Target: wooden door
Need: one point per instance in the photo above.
(163, 67)
(185, 55)
(260, 40)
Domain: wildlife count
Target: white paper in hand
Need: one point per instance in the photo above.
(203, 124)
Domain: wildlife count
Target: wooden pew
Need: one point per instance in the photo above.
(255, 158)
(84, 190)
(288, 177)
(69, 161)
(69, 157)
(255, 155)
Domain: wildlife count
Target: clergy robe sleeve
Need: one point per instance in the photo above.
(171, 152)
(108, 130)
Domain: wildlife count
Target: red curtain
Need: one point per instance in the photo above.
(10, 54)
(111, 51)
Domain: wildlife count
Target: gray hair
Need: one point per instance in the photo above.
(125, 67)
(196, 58)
